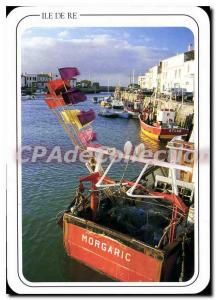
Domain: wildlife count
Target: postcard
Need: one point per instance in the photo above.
(108, 165)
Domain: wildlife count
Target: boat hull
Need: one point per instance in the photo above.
(116, 255)
(158, 133)
(117, 106)
(124, 115)
(108, 115)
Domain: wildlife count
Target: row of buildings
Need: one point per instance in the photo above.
(37, 81)
(174, 72)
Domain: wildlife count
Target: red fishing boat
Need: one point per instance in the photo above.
(163, 128)
(132, 233)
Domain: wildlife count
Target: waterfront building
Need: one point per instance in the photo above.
(153, 78)
(141, 81)
(23, 80)
(42, 80)
(54, 76)
(73, 82)
(30, 80)
(178, 72)
(38, 81)
(150, 79)
(174, 72)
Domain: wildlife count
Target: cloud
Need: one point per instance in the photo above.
(27, 32)
(147, 38)
(38, 41)
(104, 56)
(63, 34)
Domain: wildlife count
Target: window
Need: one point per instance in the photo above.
(188, 68)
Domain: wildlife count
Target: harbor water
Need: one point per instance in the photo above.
(49, 187)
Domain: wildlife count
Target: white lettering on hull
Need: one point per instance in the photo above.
(106, 248)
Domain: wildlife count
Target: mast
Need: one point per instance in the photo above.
(133, 78)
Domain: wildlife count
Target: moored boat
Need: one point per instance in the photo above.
(106, 104)
(106, 99)
(95, 99)
(28, 97)
(133, 108)
(132, 234)
(39, 93)
(117, 104)
(164, 127)
(107, 114)
(123, 115)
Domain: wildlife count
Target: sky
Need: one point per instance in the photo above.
(101, 54)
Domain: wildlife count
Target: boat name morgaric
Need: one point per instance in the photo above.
(106, 248)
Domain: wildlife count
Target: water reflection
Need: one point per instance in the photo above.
(151, 144)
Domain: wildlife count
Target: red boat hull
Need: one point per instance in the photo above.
(104, 251)
(158, 133)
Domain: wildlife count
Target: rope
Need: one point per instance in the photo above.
(166, 231)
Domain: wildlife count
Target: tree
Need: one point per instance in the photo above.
(96, 84)
(85, 83)
(135, 86)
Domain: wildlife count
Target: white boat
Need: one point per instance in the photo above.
(117, 104)
(107, 98)
(39, 93)
(28, 97)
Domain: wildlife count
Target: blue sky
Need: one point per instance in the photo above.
(101, 54)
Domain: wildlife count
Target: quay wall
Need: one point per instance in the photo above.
(184, 111)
